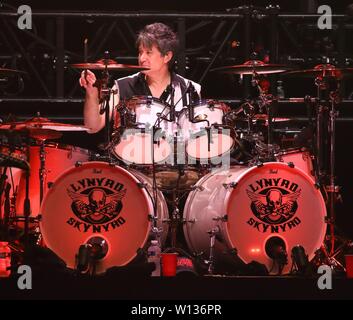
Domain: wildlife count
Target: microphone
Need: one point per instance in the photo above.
(276, 250)
(83, 257)
(300, 259)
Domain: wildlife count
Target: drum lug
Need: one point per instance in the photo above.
(151, 217)
(141, 185)
(190, 221)
(221, 218)
(200, 188)
(78, 164)
(290, 164)
(232, 185)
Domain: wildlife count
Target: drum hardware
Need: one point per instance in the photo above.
(196, 187)
(327, 80)
(211, 261)
(5, 215)
(141, 185)
(223, 218)
(232, 185)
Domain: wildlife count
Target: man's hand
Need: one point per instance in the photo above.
(87, 80)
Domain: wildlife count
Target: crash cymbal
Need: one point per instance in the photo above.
(9, 72)
(324, 70)
(251, 66)
(43, 123)
(43, 134)
(107, 64)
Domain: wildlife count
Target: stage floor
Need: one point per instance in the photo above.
(125, 286)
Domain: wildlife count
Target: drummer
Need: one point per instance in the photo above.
(157, 47)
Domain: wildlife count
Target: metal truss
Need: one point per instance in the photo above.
(207, 40)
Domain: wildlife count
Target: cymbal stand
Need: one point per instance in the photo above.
(324, 82)
(265, 101)
(105, 93)
(4, 214)
(42, 171)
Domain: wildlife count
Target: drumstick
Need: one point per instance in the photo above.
(85, 54)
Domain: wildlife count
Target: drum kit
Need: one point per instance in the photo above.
(246, 199)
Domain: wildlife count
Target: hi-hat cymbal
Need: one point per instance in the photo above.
(43, 123)
(9, 72)
(251, 66)
(107, 64)
(324, 70)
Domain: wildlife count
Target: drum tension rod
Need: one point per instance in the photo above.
(141, 185)
(221, 218)
(195, 187)
(290, 164)
(189, 221)
(230, 185)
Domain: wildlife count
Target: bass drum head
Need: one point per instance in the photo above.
(99, 200)
(257, 211)
(275, 206)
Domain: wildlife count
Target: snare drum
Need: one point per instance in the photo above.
(134, 138)
(105, 204)
(200, 143)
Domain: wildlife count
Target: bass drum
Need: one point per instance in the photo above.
(99, 202)
(57, 158)
(255, 212)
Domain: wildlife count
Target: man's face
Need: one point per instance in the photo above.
(153, 59)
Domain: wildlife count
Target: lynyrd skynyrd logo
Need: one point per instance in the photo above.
(96, 204)
(276, 204)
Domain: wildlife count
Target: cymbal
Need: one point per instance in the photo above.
(8, 72)
(107, 64)
(43, 123)
(325, 70)
(264, 117)
(251, 66)
(43, 134)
